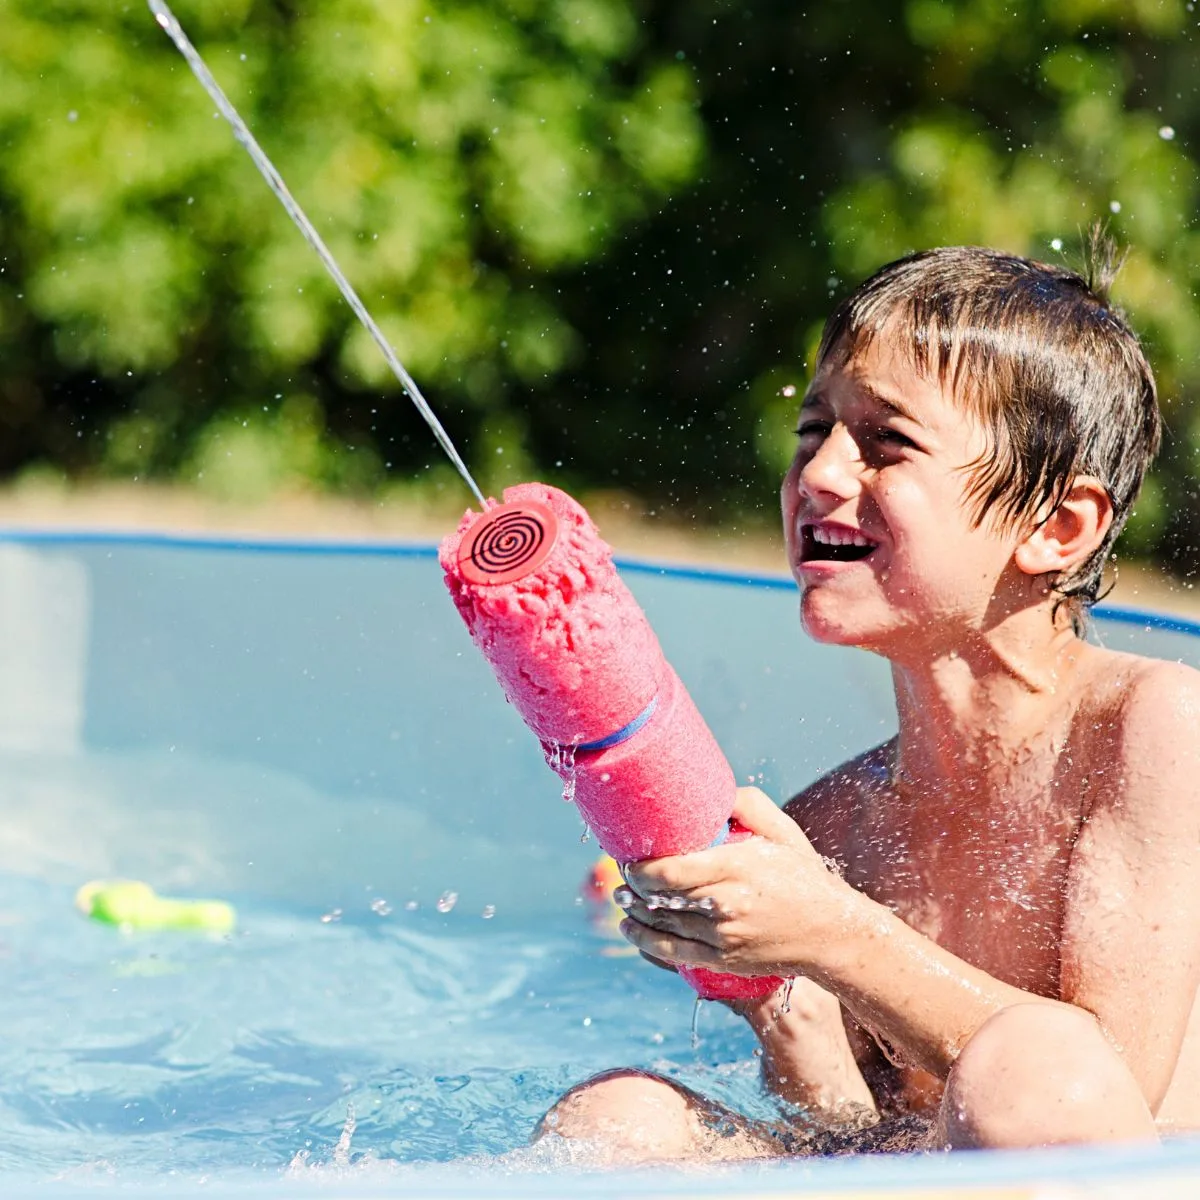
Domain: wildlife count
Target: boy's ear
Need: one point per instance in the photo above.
(1071, 532)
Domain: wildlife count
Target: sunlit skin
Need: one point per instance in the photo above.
(1015, 908)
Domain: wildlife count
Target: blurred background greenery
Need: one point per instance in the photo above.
(602, 234)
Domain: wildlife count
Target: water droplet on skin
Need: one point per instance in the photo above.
(446, 901)
(785, 1002)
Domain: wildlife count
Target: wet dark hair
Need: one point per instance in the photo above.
(1042, 359)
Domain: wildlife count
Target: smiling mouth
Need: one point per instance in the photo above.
(833, 546)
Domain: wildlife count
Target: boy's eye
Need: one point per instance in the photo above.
(806, 428)
(895, 437)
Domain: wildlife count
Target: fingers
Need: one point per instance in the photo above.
(692, 875)
(658, 962)
(685, 875)
(666, 947)
(626, 897)
(670, 917)
(760, 814)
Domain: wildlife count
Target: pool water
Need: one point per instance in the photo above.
(306, 732)
(441, 1036)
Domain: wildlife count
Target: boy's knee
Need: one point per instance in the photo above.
(632, 1113)
(1041, 1075)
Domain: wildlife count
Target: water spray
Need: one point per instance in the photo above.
(169, 23)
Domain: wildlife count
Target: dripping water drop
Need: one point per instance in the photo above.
(785, 1001)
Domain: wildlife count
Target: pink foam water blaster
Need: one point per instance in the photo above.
(572, 649)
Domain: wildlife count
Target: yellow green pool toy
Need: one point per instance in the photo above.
(131, 904)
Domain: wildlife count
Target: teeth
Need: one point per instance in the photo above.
(838, 537)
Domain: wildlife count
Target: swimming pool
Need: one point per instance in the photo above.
(306, 731)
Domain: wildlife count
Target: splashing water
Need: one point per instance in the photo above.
(341, 1152)
(339, 1158)
(171, 26)
(561, 760)
(696, 1023)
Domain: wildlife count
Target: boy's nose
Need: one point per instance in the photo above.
(834, 468)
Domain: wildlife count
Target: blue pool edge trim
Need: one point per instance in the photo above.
(141, 540)
(380, 548)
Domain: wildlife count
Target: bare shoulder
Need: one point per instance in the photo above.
(830, 808)
(1158, 688)
(1147, 700)
(1149, 712)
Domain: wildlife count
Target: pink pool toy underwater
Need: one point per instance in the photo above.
(573, 651)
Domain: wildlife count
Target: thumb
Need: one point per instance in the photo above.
(759, 813)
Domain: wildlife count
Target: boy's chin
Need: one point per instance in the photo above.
(835, 623)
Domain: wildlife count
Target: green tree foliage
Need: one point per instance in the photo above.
(159, 309)
(602, 233)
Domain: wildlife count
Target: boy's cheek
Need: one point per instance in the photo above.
(788, 502)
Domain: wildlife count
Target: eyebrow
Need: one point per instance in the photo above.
(892, 405)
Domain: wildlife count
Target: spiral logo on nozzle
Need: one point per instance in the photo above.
(508, 542)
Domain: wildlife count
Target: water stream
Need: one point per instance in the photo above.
(275, 182)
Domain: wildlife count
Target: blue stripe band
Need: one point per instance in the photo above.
(623, 734)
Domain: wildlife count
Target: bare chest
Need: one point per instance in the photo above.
(991, 892)
(989, 888)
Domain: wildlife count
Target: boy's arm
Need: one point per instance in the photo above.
(778, 909)
(1131, 934)
(806, 1055)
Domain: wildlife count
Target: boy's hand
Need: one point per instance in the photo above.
(767, 905)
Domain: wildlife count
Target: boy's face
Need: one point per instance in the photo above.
(876, 514)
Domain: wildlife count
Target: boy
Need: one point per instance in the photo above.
(993, 918)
